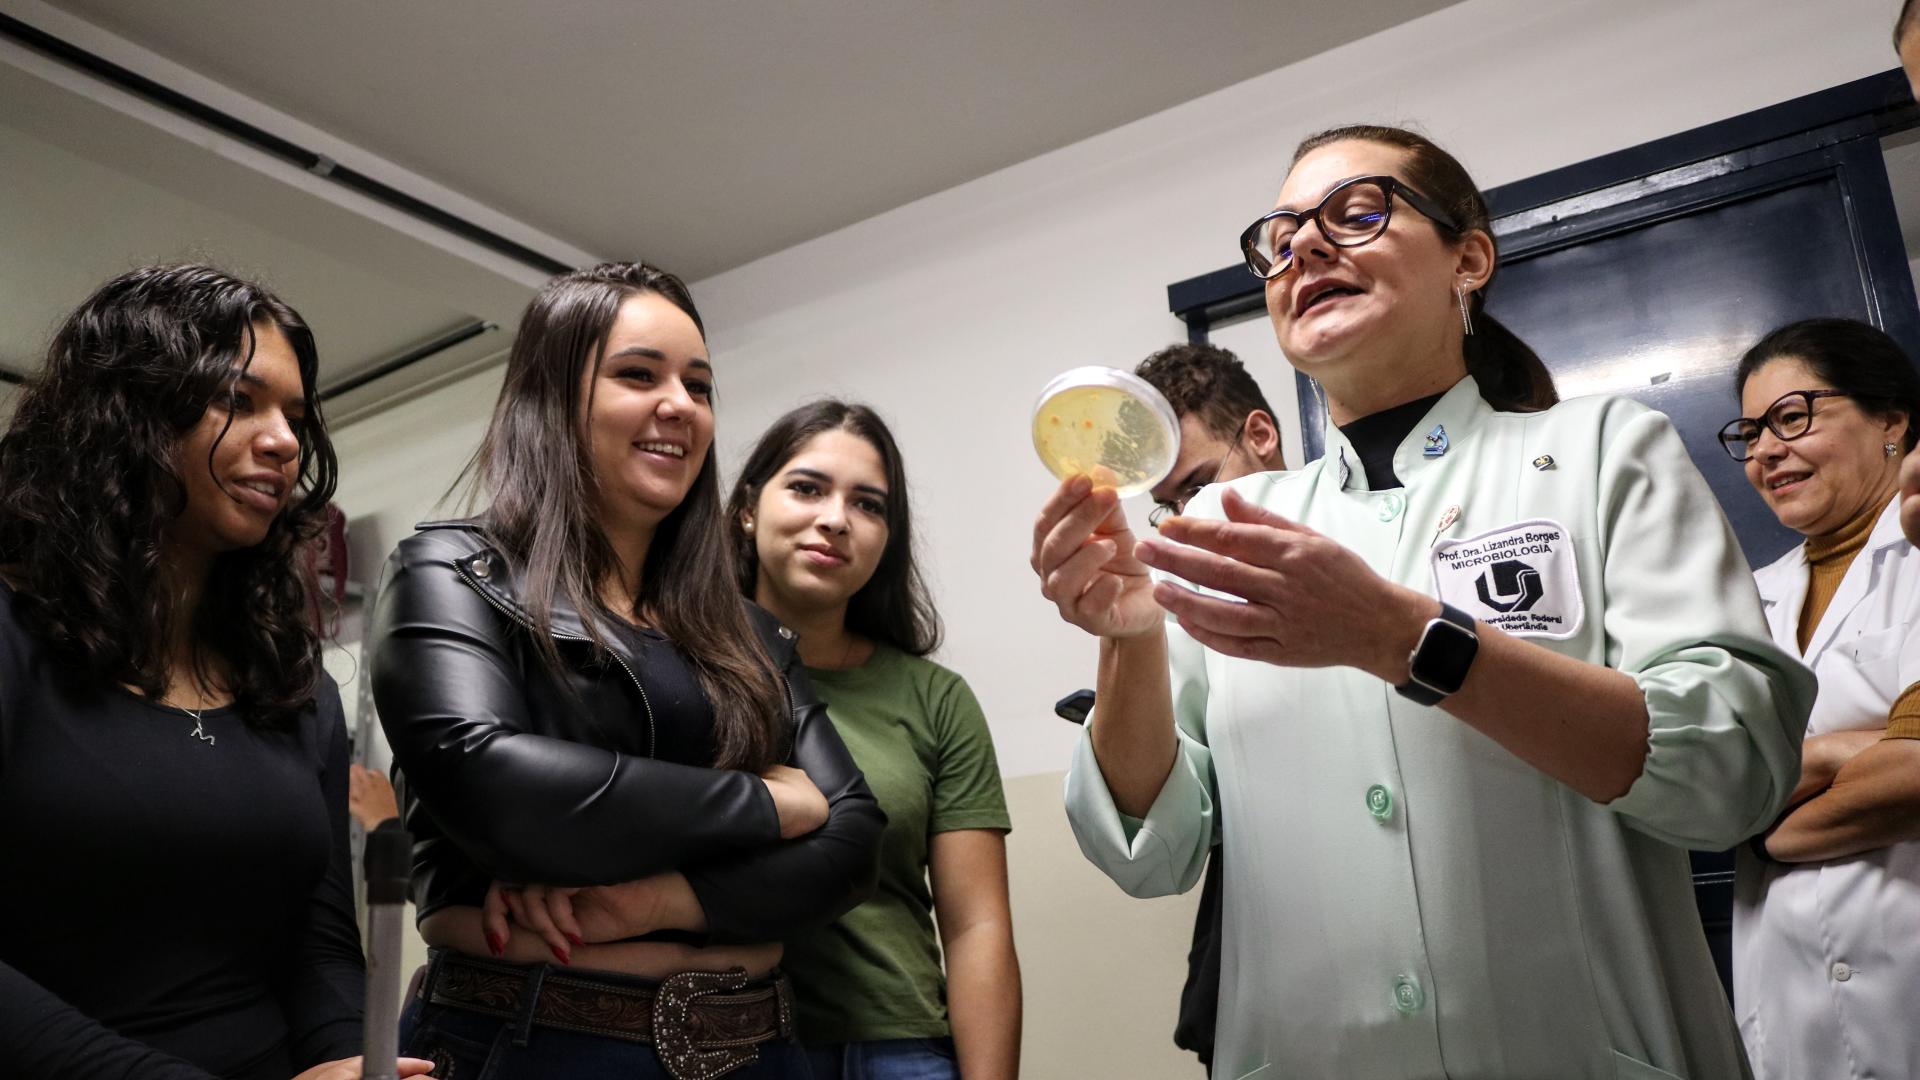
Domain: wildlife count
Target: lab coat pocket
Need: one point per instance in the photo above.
(1875, 662)
(1626, 1068)
(1876, 645)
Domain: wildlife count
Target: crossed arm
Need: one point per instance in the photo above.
(1859, 791)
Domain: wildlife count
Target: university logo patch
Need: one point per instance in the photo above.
(1522, 578)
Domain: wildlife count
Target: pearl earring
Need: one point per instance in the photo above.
(747, 527)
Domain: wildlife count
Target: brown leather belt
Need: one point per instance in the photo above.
(702, 1024)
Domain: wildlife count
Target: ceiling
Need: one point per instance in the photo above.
(704, 135)
(87, 192)
(698, 136)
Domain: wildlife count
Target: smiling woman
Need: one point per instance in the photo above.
(1827, 901)
(250, 442)
(613, 761)
(650, 399)
(166, 730)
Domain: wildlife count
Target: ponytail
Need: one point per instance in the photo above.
(1511, 375)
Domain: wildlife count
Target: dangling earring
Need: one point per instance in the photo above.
(1466, 320)
(1890, 448)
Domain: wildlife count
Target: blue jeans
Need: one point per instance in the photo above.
(467, 1045)
(885, 1059)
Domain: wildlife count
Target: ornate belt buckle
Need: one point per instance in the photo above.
(698, 1055)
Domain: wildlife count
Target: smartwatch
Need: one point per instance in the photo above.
(1438, 666)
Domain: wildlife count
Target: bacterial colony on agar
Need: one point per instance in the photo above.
(1106, 432)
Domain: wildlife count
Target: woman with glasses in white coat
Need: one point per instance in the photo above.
(1826, 922)
(1456, 697)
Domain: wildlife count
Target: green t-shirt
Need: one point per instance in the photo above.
(917, 732)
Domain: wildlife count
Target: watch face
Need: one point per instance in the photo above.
(1445, 654)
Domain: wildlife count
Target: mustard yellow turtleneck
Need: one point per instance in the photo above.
(1827, 560)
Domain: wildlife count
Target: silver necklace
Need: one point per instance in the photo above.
(199, 729)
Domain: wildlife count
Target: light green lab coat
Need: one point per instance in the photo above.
(1404, 898)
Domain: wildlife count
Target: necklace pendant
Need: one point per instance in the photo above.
(199, 732)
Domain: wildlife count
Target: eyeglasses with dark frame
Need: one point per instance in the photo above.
(1354, 213)
(1789, 417)
(1163, 510)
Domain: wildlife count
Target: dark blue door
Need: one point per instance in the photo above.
(1656, 297)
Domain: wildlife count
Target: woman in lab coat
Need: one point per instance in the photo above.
(1827, 913)
(1483, 874)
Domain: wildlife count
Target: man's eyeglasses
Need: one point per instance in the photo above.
(1789, 417)
(1163, 510)
(1355, 212)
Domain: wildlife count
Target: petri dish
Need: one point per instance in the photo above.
(1110, 424)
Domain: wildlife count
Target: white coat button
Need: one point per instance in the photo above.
(1391, 505)
(1841, 972)
(1379, 802)
(1407, 995)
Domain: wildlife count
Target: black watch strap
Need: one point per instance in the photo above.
(1439, 664)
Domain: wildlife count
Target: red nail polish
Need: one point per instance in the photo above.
(576, 939)
(495, 945)
(560, 954)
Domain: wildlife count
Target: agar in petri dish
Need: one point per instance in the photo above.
(1109, 424)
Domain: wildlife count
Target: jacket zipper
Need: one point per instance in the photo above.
(646, 703)
(793, 713)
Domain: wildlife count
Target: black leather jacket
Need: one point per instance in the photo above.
(510, 777)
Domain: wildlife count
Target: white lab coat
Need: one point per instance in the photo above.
(1404, 899)
(1826, 961)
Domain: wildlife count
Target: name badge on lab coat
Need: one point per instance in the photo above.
(1521, 578)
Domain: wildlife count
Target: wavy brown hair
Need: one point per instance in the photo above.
(536, 466)
(1208, 382)
(90, 484)
(1510, 374)
(894, 606)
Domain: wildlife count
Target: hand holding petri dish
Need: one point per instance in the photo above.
(1111, 425)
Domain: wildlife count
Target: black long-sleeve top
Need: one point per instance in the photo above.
(172, 908)
(598, 778)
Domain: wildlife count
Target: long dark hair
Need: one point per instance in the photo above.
(894, 605)
(90, 484)
(1857, 359)
(535, 465)
(1509, 372)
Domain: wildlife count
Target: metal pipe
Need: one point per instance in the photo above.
(261, 139)
(389, 867)
(408, 359)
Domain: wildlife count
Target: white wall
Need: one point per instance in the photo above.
(949, 314)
